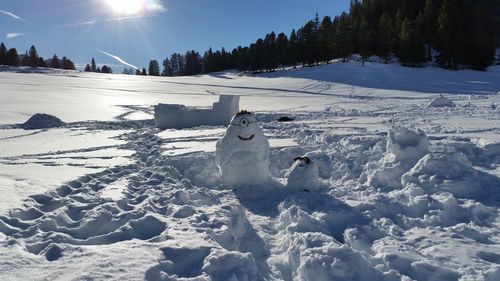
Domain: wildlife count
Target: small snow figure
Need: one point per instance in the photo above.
(242, 155)
(303, 175)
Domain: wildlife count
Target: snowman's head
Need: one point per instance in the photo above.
(303, 174)
(243, 126)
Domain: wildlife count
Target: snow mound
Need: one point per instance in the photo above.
(406, 144)
(404, 148)
(323, 259)
(42, 121)
(312, 247)
(441, 102)
(231, 265)
(178, 116)
(452, 172)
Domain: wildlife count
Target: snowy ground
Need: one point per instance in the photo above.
(108, 196)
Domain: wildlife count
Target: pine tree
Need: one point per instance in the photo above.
(33, 58)
(366, 38)
(67, 64)
(41, 62)
(385, 40)
(257, 55)
(430, 14)
(25, 60)
(449, 31)
(106, 69)
(167, 68)
(54, 62)
(12, 57)
(325, 39)
(481, 47)
(222, 59)
(293, 49)
(343, 37)
(233, 58)
(143, 72)
(412, 51)
(93, 66)
(243, 60)
(154, 68)
(207, 61)
(309, 43)
(177, 64)
(3, 54)
(87, 68)
(182, 63)
(281, 49)
(193, 63)
(270, 59)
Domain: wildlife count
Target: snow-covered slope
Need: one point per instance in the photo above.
(405, 191)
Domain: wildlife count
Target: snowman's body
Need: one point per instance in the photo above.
(243, 153)
(303, 175)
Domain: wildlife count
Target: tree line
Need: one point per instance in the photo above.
(92, 67)
(32, 59)
(453, 33)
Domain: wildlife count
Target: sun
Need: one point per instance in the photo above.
(126, 7)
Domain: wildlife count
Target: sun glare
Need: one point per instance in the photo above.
(127, 7)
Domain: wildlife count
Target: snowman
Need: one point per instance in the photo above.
(242, 155)
(303, 175)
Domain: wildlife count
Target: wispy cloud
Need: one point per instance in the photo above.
(156, 7)
(14, 35)
(118, 59)
(100, 21)
(12, 15)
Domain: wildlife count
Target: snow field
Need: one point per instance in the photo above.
(405, 191)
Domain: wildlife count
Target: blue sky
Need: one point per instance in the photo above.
(78, 29)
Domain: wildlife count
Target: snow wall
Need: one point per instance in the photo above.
(178, 116)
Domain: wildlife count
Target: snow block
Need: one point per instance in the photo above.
(42, 121)
(178, 116)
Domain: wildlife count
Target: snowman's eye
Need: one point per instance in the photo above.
(244, 122)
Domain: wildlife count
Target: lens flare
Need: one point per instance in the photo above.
(127, 7)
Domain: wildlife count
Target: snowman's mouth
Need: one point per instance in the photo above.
(245, 139)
